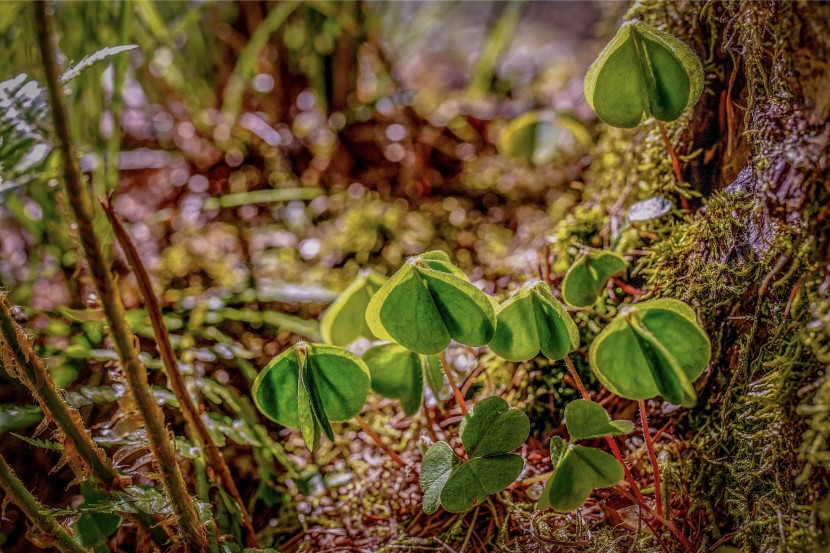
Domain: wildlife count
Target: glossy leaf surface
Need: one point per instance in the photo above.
(489, 432)
(310, 385)
(586, 278)
(587, 419)
(643, 72)
(427, 304)
(652, 348)
(345, 320)
(399, 373)
(576, 473)
(532, 321)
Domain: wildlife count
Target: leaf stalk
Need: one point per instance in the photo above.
(125, 341)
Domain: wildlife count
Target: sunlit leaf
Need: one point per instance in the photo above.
(586, 278)
(587, 419)
(532, 136)
(94, 58)
(309, 385)
(399, 373)
(652, 348)
(345, 320)
(426, 305)
(530, 321)
(643, 72)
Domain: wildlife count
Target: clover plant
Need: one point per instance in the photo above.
(310, 385)
(579, 469)
(489, 432)
(531, 136)
(643, 72)
(650, 348)
(530, 321)
(345, 319)
(428, 303)
(399, 373)
(586, 278)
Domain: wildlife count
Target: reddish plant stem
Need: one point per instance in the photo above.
(190, 412)
(459, 398)
(658, 493)
(675, 162)
(611, 443)
(430, 422)
(687, 545)
(375, 438)
(194, 537)
(627, 288)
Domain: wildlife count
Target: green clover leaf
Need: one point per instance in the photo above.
(489, 432)
(530, 321)
(345, 319)
(643, 72)
(586, 278)
(399, 373)
(652, 348)
(427, 304)
(532, 136)
(310, 385)
(577, 471)
(587, 419)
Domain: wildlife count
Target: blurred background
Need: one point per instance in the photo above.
(262, 153)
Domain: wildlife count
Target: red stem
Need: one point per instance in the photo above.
(611, 443)
(658, 493)
(687, 545)
(459, 398)
(375, 438)
(675, 162)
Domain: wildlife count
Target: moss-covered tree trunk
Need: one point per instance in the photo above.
(749, 465)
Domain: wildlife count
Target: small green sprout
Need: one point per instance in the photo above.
(643, 72)
(650, 348)
(489, 432)
(530, 321)
(428, 303)
(345, 319)
(399, 373)
(586, 278)
(310, 385)
(532, 136)
(578, 469)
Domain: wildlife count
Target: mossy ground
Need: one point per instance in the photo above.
(747, 467)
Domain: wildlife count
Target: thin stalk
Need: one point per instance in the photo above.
(192, 416)
(538, 478)
(687, 545)
(17, 493)
(125, 341)
(459, 398)
(611, 443)
(658, 493)
(32, 372)
(675, 161)
(380, 443)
